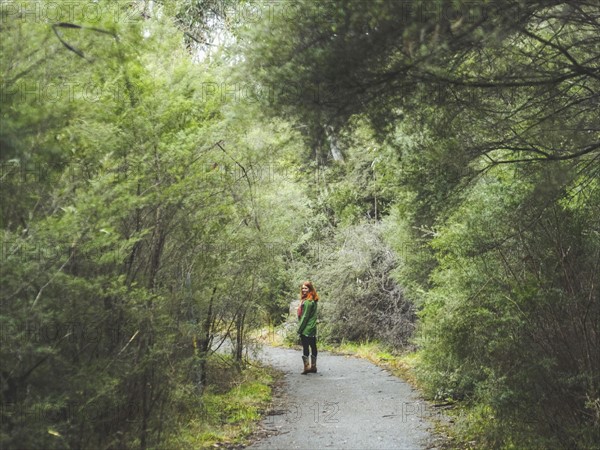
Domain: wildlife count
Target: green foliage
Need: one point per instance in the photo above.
(343, 249)
(134, 230)
(364, 302)
(483, 117)
(502, 324)
(225, 414)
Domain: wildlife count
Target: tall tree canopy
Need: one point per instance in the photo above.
(527, 72)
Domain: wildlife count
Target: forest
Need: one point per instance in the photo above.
(173, 170)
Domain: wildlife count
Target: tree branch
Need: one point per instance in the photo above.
(584, 151)
(576, 64)
(78, 27)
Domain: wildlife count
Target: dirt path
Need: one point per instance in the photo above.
(349, 404)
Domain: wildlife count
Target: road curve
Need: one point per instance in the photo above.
(349, 404)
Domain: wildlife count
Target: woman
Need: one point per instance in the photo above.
(307, 314)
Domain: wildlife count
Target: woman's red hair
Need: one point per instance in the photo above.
(312, 293)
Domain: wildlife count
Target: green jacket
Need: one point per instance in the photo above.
(308, 320)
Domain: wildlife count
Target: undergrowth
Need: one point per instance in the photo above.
(227, 412)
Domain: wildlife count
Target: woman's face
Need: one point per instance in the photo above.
(305, 289)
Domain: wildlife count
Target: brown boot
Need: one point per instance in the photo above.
(306, 365)
(313, 360)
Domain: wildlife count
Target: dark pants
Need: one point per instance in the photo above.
(309, 341)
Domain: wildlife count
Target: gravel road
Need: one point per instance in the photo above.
(349, 404)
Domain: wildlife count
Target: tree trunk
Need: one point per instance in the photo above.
(206, 339)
